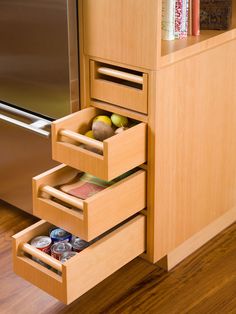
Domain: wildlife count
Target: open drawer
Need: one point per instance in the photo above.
(119, 86)
(91, 217)
(83, 271)
(120, 153)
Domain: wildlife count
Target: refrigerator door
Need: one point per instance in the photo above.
(25, 152)
(38, 55)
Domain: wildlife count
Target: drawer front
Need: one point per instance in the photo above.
(119, 86)
(83, 271)
(91, 217)
(120, 153)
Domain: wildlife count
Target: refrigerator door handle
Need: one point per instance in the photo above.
(37, 124)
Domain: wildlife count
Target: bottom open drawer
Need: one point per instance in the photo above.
(83, 271)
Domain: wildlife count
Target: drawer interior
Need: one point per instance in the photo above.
(83, 271)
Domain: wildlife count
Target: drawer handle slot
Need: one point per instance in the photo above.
(121, 75)
(82, 139)
(115, 74)
(71, 200)
(47, 259)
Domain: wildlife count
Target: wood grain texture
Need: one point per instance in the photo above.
(204, 283)
(194, 148)
(125, 31)
(192, 244)
(233, 25)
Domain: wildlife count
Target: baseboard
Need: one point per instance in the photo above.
(196, 241)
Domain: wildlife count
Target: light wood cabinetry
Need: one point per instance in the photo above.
(183, 95)
(191, 115)
(126, 32)
(194, 149)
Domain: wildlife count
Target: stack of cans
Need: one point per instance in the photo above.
(60, 245)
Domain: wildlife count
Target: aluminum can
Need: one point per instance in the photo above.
(66, 256)
(59, 248)
(58, 235)
(78, 244)
(42, 243)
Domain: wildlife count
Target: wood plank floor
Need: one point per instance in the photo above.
(204, 283)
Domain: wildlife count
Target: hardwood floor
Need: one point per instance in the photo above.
(204, 283)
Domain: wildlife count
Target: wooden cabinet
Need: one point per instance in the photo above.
(182, 93)
(194, 148)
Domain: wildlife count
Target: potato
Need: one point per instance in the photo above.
(101, 130)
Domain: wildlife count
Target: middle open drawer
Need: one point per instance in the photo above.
(93, 216)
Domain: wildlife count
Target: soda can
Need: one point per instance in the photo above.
(66, 256)
(59, 235)
(59, 248)
(42, 243)
(78, 244)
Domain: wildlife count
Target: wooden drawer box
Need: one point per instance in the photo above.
(91, 217)
(83, 271)
(121, 152)
(119, 86)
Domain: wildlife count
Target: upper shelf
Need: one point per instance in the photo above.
(172, 51)
(176, 50)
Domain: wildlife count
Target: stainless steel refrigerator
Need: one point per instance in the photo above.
(38, 83)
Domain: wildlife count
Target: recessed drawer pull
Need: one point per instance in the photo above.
(27, 248)
(121, 75)
(73, 201)
(119, 86)
(82, 139)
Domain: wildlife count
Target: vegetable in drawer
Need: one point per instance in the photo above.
(104, 127)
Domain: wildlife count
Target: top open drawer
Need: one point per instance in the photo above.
(120, 153)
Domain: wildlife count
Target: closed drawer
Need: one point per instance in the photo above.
(86, 269)
(120, 153)
(91, 217)
(119, 86)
